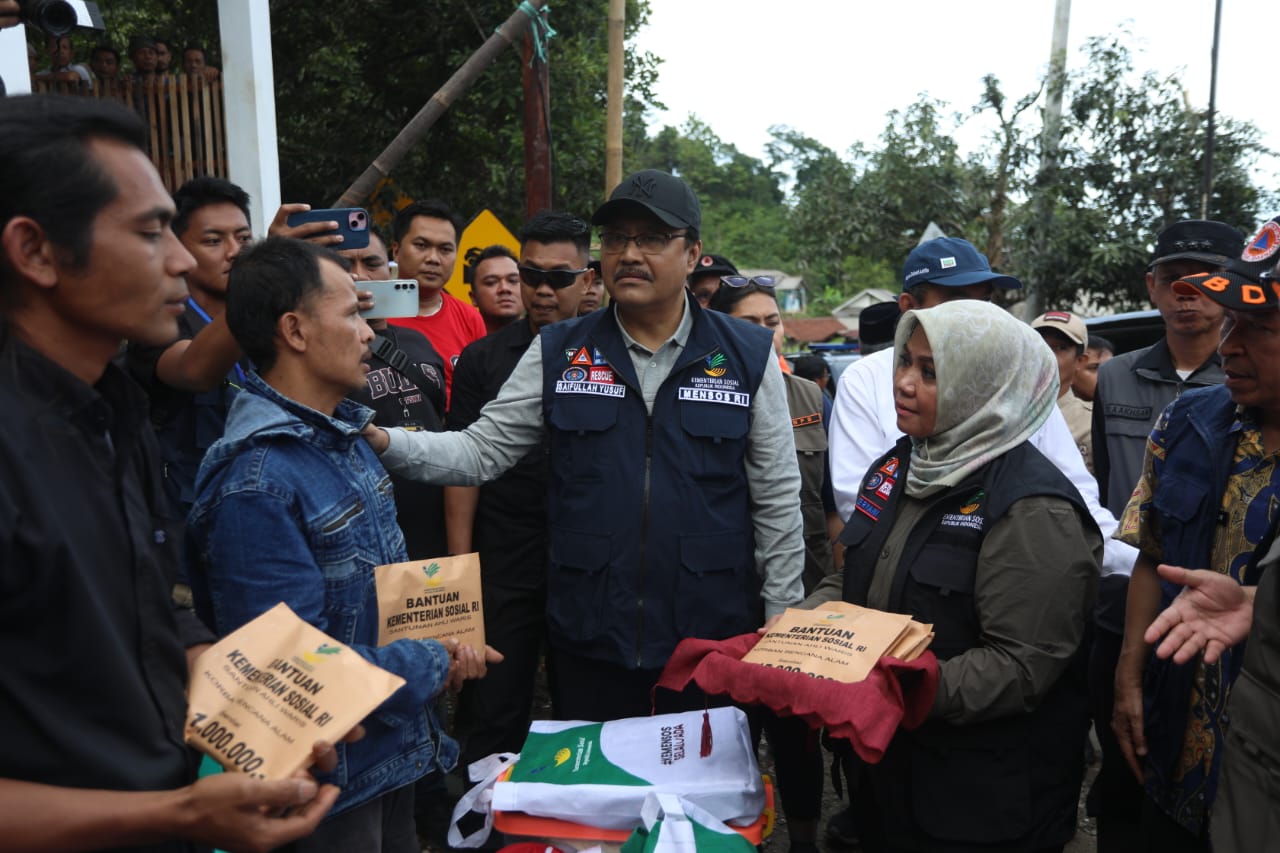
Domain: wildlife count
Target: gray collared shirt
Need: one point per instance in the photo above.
(512, 424)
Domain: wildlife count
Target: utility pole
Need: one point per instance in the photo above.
(1046, 179)
(1206, 190)
(613, 114)
(537, 131)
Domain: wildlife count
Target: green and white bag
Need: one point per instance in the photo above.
(599, 774)
(672, 824)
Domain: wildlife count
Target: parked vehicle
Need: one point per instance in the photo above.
(1128, 331)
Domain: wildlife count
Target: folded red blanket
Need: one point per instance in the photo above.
(866, 713)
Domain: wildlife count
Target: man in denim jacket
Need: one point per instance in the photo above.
(293, 506)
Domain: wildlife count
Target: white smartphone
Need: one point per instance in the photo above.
(395, 298)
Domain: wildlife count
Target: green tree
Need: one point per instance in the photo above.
(1131, 161)
(349, 76)
(743, 214)
(854, 219)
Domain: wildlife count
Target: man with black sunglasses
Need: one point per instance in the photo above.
(672, 501)
(506, 520)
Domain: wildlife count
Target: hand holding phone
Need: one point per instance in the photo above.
(352, 222)
(395, 298)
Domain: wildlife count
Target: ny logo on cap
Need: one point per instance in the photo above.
(644, 184)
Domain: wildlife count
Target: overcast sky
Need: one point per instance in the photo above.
(832, 68)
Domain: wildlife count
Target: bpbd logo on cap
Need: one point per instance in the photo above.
(1264, 244)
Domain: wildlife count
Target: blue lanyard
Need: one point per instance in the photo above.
(207, 319)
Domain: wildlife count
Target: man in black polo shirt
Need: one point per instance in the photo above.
(92, 688)
(405, 388)
(506, 520)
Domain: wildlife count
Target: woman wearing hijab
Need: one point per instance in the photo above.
(965, 525)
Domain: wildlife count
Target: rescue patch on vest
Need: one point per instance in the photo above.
(880, 484)
(1119, 410)
(807, 420)
(713, 395)
(602, 374)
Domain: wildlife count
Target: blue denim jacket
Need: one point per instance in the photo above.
(292, 505)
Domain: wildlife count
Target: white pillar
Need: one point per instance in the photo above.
(13, 61)
(249, 82)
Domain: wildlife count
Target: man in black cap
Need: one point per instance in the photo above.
(1131, 392)
(673, 497)
(1134, 388)
(704, 281)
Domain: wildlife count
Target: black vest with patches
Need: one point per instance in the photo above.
(1007, 784)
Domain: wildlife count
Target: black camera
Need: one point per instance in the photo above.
(59, 17)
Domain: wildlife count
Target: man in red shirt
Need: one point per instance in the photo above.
(425, 247)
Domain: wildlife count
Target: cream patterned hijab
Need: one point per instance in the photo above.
(997, 383)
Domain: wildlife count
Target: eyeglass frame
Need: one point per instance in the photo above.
(546, 276)
(768, 282)
(627, 239)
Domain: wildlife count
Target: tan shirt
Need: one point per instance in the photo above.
(1079, 417)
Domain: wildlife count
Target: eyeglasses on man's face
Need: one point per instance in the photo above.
(614, 242)
(558, 279)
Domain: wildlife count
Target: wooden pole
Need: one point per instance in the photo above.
(537, 132)
(1206, 189)
(613, 115)
(455, 87)
(1049, 139)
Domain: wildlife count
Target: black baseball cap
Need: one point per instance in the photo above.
(1198, 240)
(716, 265)
(663, 195)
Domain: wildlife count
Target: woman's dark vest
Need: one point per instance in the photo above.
(649, 517)
(1006, 784)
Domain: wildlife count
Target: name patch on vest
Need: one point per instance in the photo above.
(1119, 410)
(867, 508)
(712, 395)
(597, 389)
(806, 420)
(715, 386)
